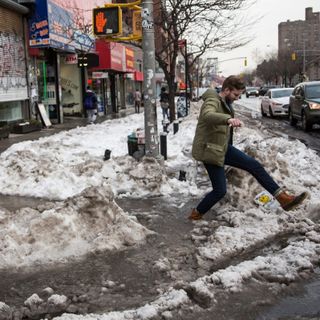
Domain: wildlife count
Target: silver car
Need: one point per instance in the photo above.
(276, 102)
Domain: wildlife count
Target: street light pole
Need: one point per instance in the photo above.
(149, 84)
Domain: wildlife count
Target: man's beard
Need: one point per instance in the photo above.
(228, 100)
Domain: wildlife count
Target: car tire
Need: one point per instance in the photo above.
(247, 95)
(306, 125)
(262, 112)
(270, 112)
(292, 120)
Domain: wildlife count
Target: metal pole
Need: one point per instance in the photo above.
(304, 58)
(163, 145)
(198, 79)
(186, 75)
(149, 84)
(175, 126)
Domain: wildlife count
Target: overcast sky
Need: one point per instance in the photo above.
(265, 31)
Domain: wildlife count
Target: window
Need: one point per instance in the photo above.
(281, 93)
(313, 91)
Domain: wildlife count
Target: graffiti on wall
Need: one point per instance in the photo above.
(12, 61)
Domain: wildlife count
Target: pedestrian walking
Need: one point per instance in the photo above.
(212, 145)
(91, 105)
(137, 101)
(164, 103)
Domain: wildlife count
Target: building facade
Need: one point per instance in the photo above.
(41, 47)
(14, 92)
(300, 40)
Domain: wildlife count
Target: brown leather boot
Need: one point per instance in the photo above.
(289, 202)
(195, 215)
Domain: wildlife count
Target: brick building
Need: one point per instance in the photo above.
(302, 37)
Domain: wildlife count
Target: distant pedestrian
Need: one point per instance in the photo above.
(164, 102)
(212, 145)
(137, 101)
(91, 105)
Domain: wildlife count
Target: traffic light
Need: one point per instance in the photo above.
(245, 62)
(107, 21)
(293, 56)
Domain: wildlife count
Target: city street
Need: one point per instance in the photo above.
(123, 249)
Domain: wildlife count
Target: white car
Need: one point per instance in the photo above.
(276, 102)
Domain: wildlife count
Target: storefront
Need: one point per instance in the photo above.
(118, 63)
(14, 104)
(57, 34)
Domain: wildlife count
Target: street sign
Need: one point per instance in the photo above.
(137, 23)
(107, 21)
(88, 60)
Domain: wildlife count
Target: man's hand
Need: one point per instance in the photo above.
(233, 122)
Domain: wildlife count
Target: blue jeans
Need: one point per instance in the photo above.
(238, 159)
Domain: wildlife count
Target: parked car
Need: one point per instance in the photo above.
(252, 91)
(263, 90)
(305, 104)
(276, 102)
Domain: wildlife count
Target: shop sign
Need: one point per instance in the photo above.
(54, 24)
(71, 59)
(137, 23)
(129, 60)
(112, 56)
(39, 26)
(99, 75)
(130, 76)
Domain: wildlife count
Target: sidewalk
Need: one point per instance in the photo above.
(69, 123)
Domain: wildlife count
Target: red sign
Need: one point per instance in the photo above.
(138, 76)
(111, 56)
(129, 60)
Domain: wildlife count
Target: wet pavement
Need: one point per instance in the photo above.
(129, 278)
(118, 280)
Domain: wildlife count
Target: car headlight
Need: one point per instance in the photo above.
(314, 106)
(276, 104)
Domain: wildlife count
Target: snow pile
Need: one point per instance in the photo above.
(63, 165)
(250, 226)
(282, 267)
(90, 222)
(172, 299)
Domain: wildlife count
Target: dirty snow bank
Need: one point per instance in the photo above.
(90, 222)
(62, 165)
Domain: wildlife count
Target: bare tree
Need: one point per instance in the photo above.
(208, 25)
(279, 65)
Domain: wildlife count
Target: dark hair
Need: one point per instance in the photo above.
(88, 87)
(163, 89)
(233, 83)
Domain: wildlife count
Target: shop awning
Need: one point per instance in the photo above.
(9, 4)
(111, 56)
(116, 57)
(138, 76)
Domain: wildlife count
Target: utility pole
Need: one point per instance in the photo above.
(186, 75)
(304, 57)
(149, 84)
